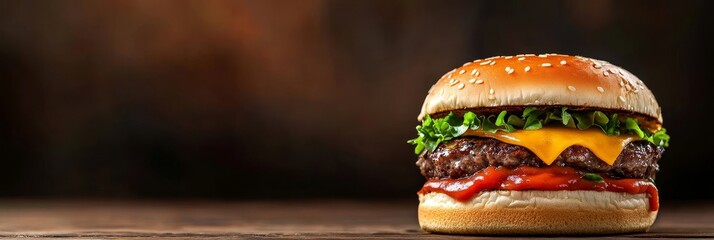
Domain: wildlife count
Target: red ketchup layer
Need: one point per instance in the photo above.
(534, 178)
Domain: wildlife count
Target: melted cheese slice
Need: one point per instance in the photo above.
(548, 143)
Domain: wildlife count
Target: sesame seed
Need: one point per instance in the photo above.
(527, 69)
(622, 99)
(530, 55)
(521, 58)
(452, 83)
(449, 76)
(628, 87)
(571, 88)
(473, 80)
(492, 63)
(546, 65)
(597, 66)
(563, 62)
(461, 86)
(543, 55)
(606, 73)
(484, 63)
(509, 70)
(441, 93)
(462, 71)
(491, 91)
(600, 89)
(479, 81)
(509, 57)
(491, 97)
(475, 72)
(622, 83)
(466, 64)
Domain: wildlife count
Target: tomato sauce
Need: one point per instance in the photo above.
(523, 178)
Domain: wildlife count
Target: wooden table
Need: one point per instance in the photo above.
(265, 220)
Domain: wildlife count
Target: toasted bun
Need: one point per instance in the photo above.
(536, 212)
(543, 80)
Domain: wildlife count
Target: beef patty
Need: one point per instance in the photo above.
(463, 157)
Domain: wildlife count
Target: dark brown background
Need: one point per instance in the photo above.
(300, 99)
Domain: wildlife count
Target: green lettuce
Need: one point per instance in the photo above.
(594, 177)
(434, 131)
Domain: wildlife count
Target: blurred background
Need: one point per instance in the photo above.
(300, 99)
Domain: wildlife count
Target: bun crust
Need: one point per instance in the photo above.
(536, 212)
(542, 80)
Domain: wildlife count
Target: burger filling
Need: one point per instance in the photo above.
(594, 150)
(463, 157)
(551, 178)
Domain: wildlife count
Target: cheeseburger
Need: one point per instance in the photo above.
(539, 144)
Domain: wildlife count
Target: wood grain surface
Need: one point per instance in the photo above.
(267, 220)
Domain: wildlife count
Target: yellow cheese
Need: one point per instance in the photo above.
(548, 143)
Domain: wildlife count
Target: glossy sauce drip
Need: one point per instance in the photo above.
(532, 178)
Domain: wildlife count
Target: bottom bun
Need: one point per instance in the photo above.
(537, 213)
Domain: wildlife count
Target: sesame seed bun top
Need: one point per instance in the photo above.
(540, 80)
